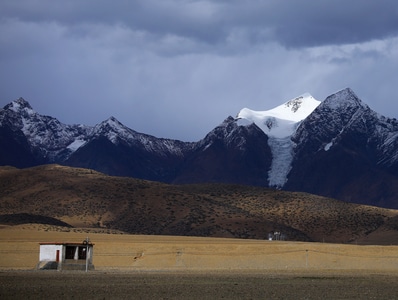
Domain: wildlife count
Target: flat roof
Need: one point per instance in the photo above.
(66, 243)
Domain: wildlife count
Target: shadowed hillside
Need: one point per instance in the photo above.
(84, 198)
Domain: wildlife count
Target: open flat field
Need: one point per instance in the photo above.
(198, 285)
(19, 249)
(165, 267)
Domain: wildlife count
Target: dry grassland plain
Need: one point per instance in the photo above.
(168, 267)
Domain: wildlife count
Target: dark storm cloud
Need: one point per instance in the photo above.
(292, 23)
(183, 18)
(315, 23)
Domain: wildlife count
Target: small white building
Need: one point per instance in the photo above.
(67, 256)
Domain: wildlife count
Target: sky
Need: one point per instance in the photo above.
(177, 68)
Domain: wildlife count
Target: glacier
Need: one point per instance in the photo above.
(279, 124)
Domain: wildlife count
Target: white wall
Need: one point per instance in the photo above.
(49, 252)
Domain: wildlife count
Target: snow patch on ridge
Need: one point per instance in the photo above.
(328, 146)
(76, 144)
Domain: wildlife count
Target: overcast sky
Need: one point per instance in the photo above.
(178, 68)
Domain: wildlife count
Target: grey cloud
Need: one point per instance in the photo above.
(293, 23)
(338, 22)
(182, 18)
(176, 69)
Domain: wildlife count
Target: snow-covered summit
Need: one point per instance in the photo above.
(343, 99)
(118, 133)
(279, 124)
(281, 121)
(19, 105)
(18, 109)
(47, 136)
(110, 124)
(113, 130)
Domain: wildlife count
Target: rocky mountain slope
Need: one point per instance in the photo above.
(338, 148)
(83, 198)
(346, 151)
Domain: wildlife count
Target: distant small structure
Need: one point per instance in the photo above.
(277, 236)
(66, 256)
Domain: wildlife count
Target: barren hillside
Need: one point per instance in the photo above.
(83, 198)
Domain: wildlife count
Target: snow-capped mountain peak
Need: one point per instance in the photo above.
(117, 133)
(299, 102)
(113, 130)
(113, 123)
(279, 124)
(19, 105)
(48, 137)
(343, 99)
(20, 109)
(282, 120)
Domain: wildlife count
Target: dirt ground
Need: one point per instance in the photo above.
(197, 285)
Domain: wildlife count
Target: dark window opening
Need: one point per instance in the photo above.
(70, 252)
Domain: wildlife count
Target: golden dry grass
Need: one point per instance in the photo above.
(19, 249)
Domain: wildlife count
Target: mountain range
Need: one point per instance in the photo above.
(337, 147)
